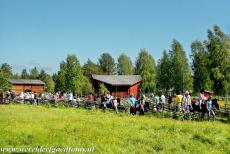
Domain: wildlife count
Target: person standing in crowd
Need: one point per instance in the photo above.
(108, 98)
(95, 96)
(13, 95)
(170, 101)
(152, 95)
(56, 97)
(178, 101)
(157, 102)
(163, 100)
(103, 100)
(132, 102)
(22, 97)
(35, 99)
(90, 100)
(115, 105)
(32, 97)
(186, 103)
(210, 108)
(70, 97)
(201, 97)
(142, 105)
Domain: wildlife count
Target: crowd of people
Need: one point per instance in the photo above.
(107, 100)
(36, 98)
(178, 102)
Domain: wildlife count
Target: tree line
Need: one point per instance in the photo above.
(209, 69)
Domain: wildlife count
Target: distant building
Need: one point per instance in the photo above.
(119, 85)
(26, 85)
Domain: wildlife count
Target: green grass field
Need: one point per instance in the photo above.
(32, 126)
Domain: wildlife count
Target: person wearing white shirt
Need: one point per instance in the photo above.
(163, 100)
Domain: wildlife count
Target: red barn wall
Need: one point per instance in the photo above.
(37, 89)
(135, 89)
(22, 88)
(120, 94)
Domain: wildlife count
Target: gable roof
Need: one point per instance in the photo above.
(118, 80)
(26, 82)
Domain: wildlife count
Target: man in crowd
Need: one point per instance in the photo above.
(163, 100)
(132, 102)
(178, 101)
(186, 103)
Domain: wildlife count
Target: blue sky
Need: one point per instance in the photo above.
(42, 32)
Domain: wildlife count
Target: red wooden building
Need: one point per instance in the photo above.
(22, 85)
(119, 85)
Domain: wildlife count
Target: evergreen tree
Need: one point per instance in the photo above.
(146, 67)
(34, 73)
(200, 67)
(181, 75)
(107, 64)
(124, 66)
(7, 70)
(43, 76)
(90, 68)
(60, 81)
(49, 84)
(16, 76)
(74, 75)
(70, 77)
(24, 74)
(87, 86)
(164, 72)
(218, 48)
(5, 75)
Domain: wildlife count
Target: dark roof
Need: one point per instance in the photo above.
(26, 81)
(118, 79)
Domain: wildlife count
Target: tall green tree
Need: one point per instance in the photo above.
(102, 88)
(124, 66)
(24, 74)
(74, 75)
(34, 73)
(16, 76)
(48, 81)
(42, 75)
(181, 74)
(164, 72)
(70, 77)
(4, 84)
(146, 67)
(7, 70)
(49, 84)
(200, 67)
(87, 86)
(5, 75)
(55, 79)
(90, 68)
(60, 80)
(218, 48)
(107, 64)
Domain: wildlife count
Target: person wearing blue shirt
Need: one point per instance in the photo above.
(132, 102)
(210, 109)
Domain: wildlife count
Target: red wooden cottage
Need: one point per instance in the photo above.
(25, 85)
(119, 85)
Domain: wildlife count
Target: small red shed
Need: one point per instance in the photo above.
(119, 85)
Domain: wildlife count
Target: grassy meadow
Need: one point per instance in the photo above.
(33, 126)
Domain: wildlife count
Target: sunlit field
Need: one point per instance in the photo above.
(33, 126)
